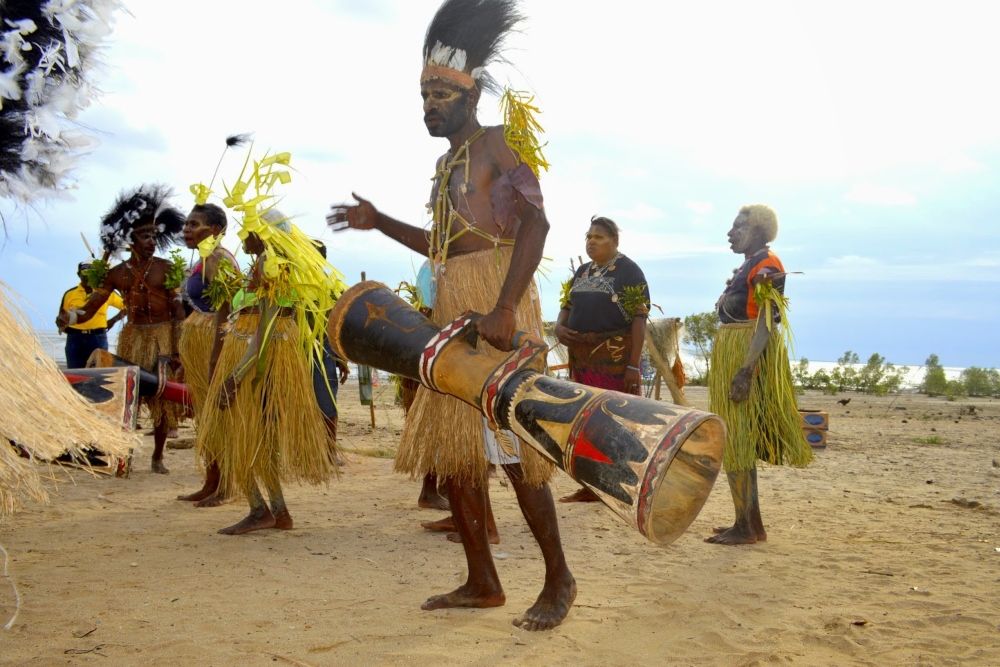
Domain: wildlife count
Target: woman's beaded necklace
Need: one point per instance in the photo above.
(598, 271)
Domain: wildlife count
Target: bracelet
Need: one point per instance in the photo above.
(633, 368)
(506, 308)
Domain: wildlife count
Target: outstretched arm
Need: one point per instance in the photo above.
(363, 215)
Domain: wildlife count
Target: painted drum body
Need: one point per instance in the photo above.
(114, 391)
(151, 385)
(652, 463)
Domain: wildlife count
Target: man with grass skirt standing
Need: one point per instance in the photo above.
(484, 245)
(750, 385)
(142, 221)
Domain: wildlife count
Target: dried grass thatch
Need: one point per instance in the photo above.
(40, 411)
(662, 337)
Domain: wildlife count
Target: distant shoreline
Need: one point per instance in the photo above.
(54, 344)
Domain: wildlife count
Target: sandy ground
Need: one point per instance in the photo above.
(869, 562)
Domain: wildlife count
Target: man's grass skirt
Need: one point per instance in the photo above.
(442, 434)
(142, 345)
(766, 426)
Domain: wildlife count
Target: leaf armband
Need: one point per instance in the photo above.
(96, 274)
(224, 285)
(633, 301)
(565, 300)
(175, 274)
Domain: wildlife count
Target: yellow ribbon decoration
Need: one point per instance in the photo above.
(201, 193)
(294, 272)
(208, 245)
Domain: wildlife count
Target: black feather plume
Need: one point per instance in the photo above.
(138, 207)
(478, 27)
(238, 140)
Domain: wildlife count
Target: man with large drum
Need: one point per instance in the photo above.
(484, 245)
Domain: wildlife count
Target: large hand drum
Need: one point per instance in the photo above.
(652, 463)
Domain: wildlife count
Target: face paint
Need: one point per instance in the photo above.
(740, 236)
(196, 230)
(445, 108)
(601, 246)
(144, 242)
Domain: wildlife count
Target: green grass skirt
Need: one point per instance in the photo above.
(766, 426)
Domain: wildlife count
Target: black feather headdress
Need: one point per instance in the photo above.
(47, 52)
(139, 207)
(468, 35)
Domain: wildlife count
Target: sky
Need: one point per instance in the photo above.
(872, 128)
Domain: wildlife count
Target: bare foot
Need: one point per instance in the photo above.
(466, 596)
(214, 500)
(440, 526)
(429, 497)
(493, 537)
(582, 495)
(433, 501)
(283, 520)
(159, 468)
(550, 608)
(733, 536)
(172, 434)
(761, 535)
(200, 494)
(256, 520)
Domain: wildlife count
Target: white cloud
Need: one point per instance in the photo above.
(640, 212)
(960, 164)
(867, 193)
(26, 261)
(700, 207)
(852, 260)
(869, 269)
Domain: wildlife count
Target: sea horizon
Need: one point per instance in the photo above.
(54, 345)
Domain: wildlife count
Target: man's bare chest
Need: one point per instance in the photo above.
(467, 192)
(138, 283)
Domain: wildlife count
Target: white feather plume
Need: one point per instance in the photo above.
(55, 91)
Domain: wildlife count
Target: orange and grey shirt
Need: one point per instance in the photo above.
(737, 303)
(76, 299)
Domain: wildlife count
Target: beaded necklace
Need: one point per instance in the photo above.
(443, 210)
(598, 271)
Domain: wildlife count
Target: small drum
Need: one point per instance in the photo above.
(114, 392)
(652, 463)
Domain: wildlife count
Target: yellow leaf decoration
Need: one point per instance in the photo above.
(521, 129)
(295, 274)
(201, 193)
(208, 245)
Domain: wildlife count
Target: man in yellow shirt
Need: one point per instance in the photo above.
(82, 339)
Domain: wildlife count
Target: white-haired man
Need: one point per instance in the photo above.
(750, 384)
